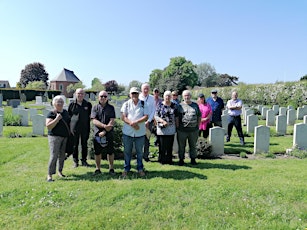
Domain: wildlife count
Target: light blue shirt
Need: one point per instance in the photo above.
(134, 112)
(234, 112)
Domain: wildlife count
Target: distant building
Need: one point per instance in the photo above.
(4, 84)
(64, 79)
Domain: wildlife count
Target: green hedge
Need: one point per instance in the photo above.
(29, 93)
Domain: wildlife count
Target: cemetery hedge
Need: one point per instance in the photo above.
(29, 94)
(282, 94)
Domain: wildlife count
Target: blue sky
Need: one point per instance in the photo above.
(260, 41)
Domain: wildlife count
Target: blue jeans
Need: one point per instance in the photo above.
(128, 145)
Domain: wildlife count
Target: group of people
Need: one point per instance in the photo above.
(143, 115)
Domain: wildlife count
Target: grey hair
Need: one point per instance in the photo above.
(166, 93)
(56, 99)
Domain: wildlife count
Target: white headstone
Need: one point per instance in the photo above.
(290, 107)
(252, 122)
(38, 100)
(216, 138)
(225, 111)
(270, 117)
(281, 124)
(1, 125)
(246, 114)
(276, 109)
(24, 113)
(283, 111)
(1, 100)
(38, 124)
(117, 112)
(305, 119)
(291, 116)
(263, 112)
(45, 112)
(300, 136)
(15, 111)
(300, 113)
(33, 111)
(262, 139)
(225, 122)
(1, 112)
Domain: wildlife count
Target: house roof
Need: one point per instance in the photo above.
(4, 82)
(66, 75)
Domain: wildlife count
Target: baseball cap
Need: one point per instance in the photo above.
(214, 91)
(134, 90)
(201, 95)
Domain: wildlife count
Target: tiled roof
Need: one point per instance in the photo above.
(66, 75)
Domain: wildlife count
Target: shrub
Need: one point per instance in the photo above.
(11, 120)
(203, 149)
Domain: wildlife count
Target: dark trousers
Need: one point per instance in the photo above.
(166, 149)
(84, 137)
(147, 142)
(205, 133)
(235, 121)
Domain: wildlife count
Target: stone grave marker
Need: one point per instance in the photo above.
(1, 99)
(33, 112)
(281, 124)
(38, 100)
(1, 125)
(14, 103)
(262, 139)
(38, 124)
(283, 111)
(291, 116)
(270, 117)
(276, 109)
(225, 122)
(246, 114)
(252, 122)
(216, 139)
(305, 119)
(24, 113)
(300, 113)
(263, 112)
(300, 136)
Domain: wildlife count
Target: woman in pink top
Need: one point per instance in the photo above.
(206, 113)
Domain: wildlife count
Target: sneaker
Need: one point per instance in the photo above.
(112, 172)
(75, 165)
(85, 164)
(97, 172)
(142, 173)
(181, 162)
(61, 175)
(193, 161)
(242, 142)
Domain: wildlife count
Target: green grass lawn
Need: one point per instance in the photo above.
(215, 194)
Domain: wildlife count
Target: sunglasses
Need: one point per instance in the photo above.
(103, 96)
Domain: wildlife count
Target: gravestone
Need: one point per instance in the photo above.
(38, 124)
(305, 119)
(20, 107)
(225, 122)
(270, 117)
(291, 116)
(225, 112)
(23, 98)
(117, 112)
(283, 111)
(70, 100)
(33, 112)
(1, 125)
(300, 136)
(281, 124)
(290, 107)
(15, 111)
(300, 113)
(14, 103)
(38, 100)
(246, 114)
(262, 139)
(1, 112)
(263, 112)
(252, 122)
(216, 139)
(92, 97)
(45, 112)
(276, 109)
(260, 108)
(24, 113)
(1, 99)
(86, 97)
(305, 109)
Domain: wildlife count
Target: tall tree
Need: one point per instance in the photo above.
(180, 73)
(154, 78)
(97, 85)
(71, 88)
(111, 86)
(135, 83)
(36, 85)
(204, 71)
(304, 78)
(33, 72)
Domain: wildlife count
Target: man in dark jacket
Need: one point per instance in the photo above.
(80, 111)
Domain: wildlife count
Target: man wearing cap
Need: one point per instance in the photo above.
(134, 114)
(175, 97)
(150, 101)
(217, 106)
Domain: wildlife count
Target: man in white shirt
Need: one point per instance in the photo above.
(134, 114)
(150, 101)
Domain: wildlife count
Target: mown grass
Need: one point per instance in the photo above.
(215, 194)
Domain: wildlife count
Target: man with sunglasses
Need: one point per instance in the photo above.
(103, 117)
(80, 110)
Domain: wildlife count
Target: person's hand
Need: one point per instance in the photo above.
(58, 117)
(103, 133)
(108, 127)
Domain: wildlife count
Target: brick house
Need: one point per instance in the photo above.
(64, 79)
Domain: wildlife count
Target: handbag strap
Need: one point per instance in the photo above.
(64, 123)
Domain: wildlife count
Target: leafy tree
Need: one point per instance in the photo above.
(121, 88)
(227, 80)
(179, 74)
(204, 71)
(36, 85)
(71, 88)
(111, 86)
(33, 72)
(154, 77)
(97, 85)
(304, 78)
(135, 83)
